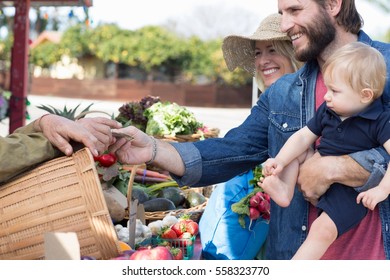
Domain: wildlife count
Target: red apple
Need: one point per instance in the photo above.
(156, 253)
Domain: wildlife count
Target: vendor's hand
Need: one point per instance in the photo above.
(60, 131)
(136, 151)
(101, 129)
(314, 177)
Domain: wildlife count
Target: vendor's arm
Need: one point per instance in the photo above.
(22, 150)
(360, 170)
(36, 142)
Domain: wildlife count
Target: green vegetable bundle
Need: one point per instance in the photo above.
(170, 119)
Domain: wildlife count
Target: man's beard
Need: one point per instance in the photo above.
(319, 35)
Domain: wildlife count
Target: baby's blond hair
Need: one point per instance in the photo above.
(360, 65)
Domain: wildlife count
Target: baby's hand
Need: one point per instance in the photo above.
(272, 167)
(269, 166)
(372, 197)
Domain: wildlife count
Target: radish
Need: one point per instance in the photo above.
(254, 214)
(263, 206)
(261, 196)
(254, 201)
(266, 215)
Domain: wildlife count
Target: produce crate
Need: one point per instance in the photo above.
(61, 195)
(185, 244)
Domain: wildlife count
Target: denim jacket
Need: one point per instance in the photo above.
(281, 110)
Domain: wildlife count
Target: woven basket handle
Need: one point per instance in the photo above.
(129, 205)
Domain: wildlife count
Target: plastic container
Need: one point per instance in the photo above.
(185, 244)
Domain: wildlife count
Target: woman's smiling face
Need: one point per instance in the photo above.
(270, 64)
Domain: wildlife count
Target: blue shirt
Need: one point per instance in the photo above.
(365, 130)
(281, 110)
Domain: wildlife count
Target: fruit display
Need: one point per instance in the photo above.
(168, 239)
(180, 235)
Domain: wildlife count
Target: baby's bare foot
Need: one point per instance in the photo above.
(278, 190)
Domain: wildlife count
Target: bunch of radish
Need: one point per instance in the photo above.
(255, 205)
(259, 206)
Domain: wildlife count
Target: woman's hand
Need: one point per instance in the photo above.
(135, 151)
(143, 148)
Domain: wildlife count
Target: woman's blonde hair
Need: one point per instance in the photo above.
(360, 65)
(284, 48)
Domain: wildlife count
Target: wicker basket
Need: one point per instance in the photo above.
(195, 213)
(61, 195)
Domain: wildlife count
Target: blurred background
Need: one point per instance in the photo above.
(119, 51)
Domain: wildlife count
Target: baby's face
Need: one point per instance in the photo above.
(342, 98)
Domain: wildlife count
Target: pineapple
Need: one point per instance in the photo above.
(70, 113)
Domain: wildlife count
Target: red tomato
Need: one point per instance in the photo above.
(106, 160)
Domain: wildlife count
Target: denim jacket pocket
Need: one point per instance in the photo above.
(282, 126)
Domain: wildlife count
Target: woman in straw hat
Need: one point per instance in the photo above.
(268, 55)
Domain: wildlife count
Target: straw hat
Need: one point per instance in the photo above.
(239, 51)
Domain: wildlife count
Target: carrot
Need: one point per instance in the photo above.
(147, 173)
(147, 180)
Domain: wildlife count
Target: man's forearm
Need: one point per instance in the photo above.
(317, 173)
(348, 172)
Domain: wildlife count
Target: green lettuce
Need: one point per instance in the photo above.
(166, 118)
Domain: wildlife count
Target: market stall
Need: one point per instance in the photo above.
(112, 208)
(121, 211)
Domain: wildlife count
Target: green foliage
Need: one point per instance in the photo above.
(118, 49)
(5, 48)
(200, 61)
(45, 54)
(65, 112)
(156, 45)
(151, 48)
(74, 41)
